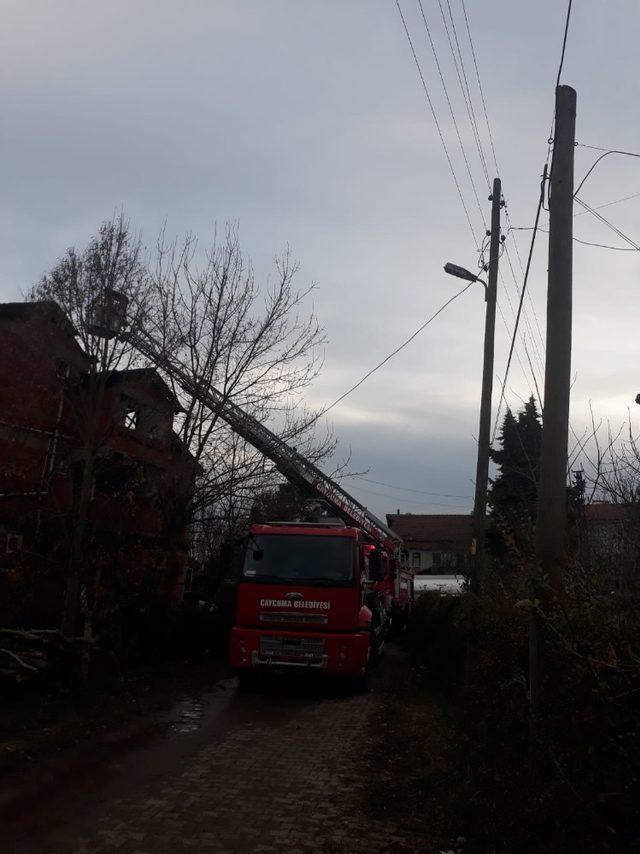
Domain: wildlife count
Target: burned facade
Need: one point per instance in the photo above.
(142, 477)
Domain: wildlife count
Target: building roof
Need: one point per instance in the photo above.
(605, 511)
(45, 309)
(432, 531)
(49, 308)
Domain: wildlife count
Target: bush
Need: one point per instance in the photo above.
(568, 779)
(436, 637)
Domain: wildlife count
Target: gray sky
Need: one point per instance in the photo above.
(305, 121)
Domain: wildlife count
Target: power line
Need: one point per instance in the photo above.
(524, 312)
(564, 42)
(608, 204)
(435, 119)
(466, 97)
(455, 123)
(464, 92)
(484, 105)
(607, 152)
(401, 499)
(535, 381)
(606, 222)
(474, 121)
(396, 351)
(506, 326)
(602, 148)
(584, 242)
(534, 229)
(407, 489)
(460, 72)
(524, 287)
(495, 160)
(521, 265)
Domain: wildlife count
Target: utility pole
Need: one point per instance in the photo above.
(552, 491)
(484, 430)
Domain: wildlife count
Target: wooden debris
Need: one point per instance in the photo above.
(27, 654)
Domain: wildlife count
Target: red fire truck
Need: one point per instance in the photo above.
(316, 596)
(312, 595)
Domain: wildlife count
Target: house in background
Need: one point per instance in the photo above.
(437, 544)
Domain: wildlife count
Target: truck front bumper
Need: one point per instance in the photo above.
(344, 654)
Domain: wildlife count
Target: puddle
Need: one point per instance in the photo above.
(187, 716)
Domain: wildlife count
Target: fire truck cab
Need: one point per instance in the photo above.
(311, 596)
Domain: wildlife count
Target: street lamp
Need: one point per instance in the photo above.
(460, 272)
(463, 273)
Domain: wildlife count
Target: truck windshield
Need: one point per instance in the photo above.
(301, 558)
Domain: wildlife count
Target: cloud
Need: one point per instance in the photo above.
(307, 123)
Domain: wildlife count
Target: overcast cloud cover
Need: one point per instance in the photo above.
(304, 120)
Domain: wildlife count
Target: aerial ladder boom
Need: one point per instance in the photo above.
(289, 462)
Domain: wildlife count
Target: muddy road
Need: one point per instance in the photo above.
(281, 770)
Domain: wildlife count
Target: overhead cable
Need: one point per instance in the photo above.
(401, 499)
(564, 42)
(608, 204)
(606, 222)
(607, 152)
(474, 121)
(406, 488)
(435, 119)
(524, 287)
(468, 106)
(453, 117)
(579, 240)
(396, 351)
(506, 209)
(484, 104)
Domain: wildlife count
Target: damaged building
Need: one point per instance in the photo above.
(135, 541)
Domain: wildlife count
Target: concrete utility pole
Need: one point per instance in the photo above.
(552, 491)
(484, 430)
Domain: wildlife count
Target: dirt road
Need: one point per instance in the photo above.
(283, 771)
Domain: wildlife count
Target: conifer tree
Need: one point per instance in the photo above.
(513, 493)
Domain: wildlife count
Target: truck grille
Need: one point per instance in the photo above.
(299, 648)
(277, 617)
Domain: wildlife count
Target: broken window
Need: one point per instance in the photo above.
(130, 419)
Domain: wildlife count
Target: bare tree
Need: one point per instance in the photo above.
(259, 347)
(82, 283)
